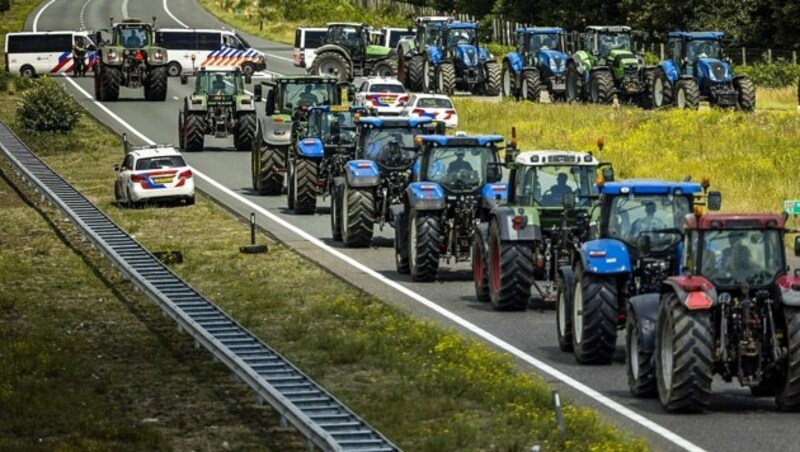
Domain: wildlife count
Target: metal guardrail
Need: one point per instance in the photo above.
(323, 420)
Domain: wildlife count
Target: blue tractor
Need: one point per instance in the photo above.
(377, 178)
(537, 63)
(697, 70)
(456, 185)
(456, 61)
(324, 140)
(633, 244)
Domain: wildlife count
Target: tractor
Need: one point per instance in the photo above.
(606, 67)
(322, 146)
(456, 61)
(697, 71)
(633, 244)
(288, 98)
(130, 59)
(527, 247)
(346, 53)
(734, 311)
(219, 106)
(538, 63)
(455, 187)
(411, 51)
(377, 178)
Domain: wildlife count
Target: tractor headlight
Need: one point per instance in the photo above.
(158, 55)
(553, 65)
(112, 55)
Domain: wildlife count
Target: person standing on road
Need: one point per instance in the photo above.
(78, 57)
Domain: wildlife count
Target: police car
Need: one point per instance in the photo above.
(153, 173)
(435, 106)
(386, 96)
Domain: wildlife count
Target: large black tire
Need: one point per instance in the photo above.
(787, 395)
(508, 81)
(290, 184)
(245, 133)
(564, 309)
(661, 90)
(181, 131)
(687, 95)
(270, 179)
(445, 79)
(531, 89)
(424, 236)
(195, 132)
(385, 68)
(510, 272)
(646, 96)
(358, 216)
(594, 318)
(684, 356)
(109, 83)
(305, 185)
(400, 255)
(601, 87)
(428, 76)
(493, 80)
(745, 94)
(414, 74)
(480, 276)
(639, 363)
(574, 85)
(157, 84)
(331, 64)
(336, 213)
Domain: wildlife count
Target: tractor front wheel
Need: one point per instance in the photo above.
(531, 86)
(509, 80)
(594, 318)
(336, 211)
(640, 364)
(245, 133)
(385, 68)
(687, 95)
(745, 94)
(492, 84)
(358, 216)
(195, 127)
(574, 85)
(480, 276)
(445, 79)
(510, 272)
(601, 87)
(423, 245)
(305, 179)
(401, 261)
(564, 309)
(414, 73)
(661, 90)
(181, 131)
(646, 95)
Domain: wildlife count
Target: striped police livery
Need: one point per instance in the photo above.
(231, 57)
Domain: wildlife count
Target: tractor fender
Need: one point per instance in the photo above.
(404, 47)
(425, 196)
(277, 130)
(485, 55)
(600, 69)
(582, 61)
(362, 173)
(482, 230)
(195, 104)
(530, 231)
(790, 290)
(514, 61)
(645, 311)
(695, 292)
(605, 256)
(333, 48)
(245, 104)
(310, 147)
(435, 56)
(669, 68)
(493, 194)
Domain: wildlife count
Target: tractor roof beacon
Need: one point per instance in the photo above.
(538, 63)
(347, 53)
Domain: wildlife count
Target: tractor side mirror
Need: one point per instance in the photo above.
(184, 79)
(98, 37)
(248, 79)
(568, 201)
(644, 244)
(608, 173)
(493, 174)
(270, 109)
(258, 93)
(797, 246)
(714, 201)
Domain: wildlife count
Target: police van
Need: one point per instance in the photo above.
(190, 49)
(45, 52)
(306, 42)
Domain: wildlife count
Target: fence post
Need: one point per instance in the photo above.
(661, 51)
(769, 56)
(744, 57)
(794, 57)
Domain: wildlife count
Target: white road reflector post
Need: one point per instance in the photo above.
(562, 427)
(253, 248)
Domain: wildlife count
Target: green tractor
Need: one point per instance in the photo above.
(347, 53)
(130, 59)
(219, 106)
(606, 67)
(287, 102)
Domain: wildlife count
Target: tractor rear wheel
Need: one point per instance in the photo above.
(788, 389)
(574, 85)
(181, 131)
(509, 80)
(601, 87)
(564, 309)
(745, 94)
(385, 68)
(331, 64)
(400, 255)
(157, 84)
(445, 79)
(305, 175)
(531, 86)
(492, 87)
(687, 95)
(195, 126)
(245, 133)
(424, 236)
(640, 364)
(684, 356)
(358, 216)
(510, 272)
(336, 212)
(661, 90)
(270, 178)
(594, 318)
(480, 277)
(414, 74)
(646, 95)
(290, 185)
(109, 83)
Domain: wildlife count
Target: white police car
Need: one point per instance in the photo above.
(387, 96)
(153, 173)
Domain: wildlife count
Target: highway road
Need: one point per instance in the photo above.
(734, 421)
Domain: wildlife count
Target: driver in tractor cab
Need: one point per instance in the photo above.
(307, 97)
(218, 84)
(133, 41)
(649, 222)
(560, 188)
(459, 164)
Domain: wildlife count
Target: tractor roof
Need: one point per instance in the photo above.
(220, 69)
(726, 221)
(609, 28)
(462, 25)
(424, 19)
(306, 79)
(650, 187)
(698, 35)
(383, 121)
(540, 30)
(564, 158)
(461, 140)
(347, 24)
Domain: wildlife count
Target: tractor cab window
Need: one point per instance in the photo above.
(606, 42)
(659, 217)
(133, 37)
(431, 31)
(546, 186)
(219, 83)
(702, 49)
(332, 127)
(676, 50)
(297, 94)
(459, 169)
(391, 148)
(458, 36)
(737, 257)
(539, 42)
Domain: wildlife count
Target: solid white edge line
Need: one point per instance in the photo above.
(173, 16)
(36, 18)
(542, 366)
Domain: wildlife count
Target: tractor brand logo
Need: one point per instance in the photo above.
(228, 56)
(65, 63)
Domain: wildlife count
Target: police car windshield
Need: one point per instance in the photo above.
(633, 216)
(133, 37)
(459, 169)
(737, 257)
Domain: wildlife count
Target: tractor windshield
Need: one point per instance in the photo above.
(333, 127)
(737, 257)
(537, 42)
(702, 49)
(297, 94)
(459, 169)
(546, 185)
(432, 31)
(391, 148)
(658, 217)
(606, 42)
(456, 36)
(133, 37)
(226, 83)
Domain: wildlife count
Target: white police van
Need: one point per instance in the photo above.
(45, 52)
(306, 42)
(190, 49)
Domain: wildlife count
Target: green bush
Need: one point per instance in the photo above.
(780, 74)
(5, 5)
(47, 108)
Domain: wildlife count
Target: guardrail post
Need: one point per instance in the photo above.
(744, 57)
(661, 51)
(794, 57)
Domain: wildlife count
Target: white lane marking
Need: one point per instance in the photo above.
(176, 97)
(166, 8)
(124, 9)
(36, 19)
(83, 12)
(542, 366)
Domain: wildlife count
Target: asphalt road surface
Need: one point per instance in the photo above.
(734, 421)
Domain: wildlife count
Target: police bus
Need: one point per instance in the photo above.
(190, 49)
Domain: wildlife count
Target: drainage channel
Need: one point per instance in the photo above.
(324, 421)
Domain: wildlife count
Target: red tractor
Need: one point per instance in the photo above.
(735, 312)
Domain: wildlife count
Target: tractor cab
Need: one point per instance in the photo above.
(291, 93)
(428, 29)
(335, 125)
(606, 42)
(390, 142)
(460, 165)
(225, 83)
(132, 34)
(460, 41)
(698, 53)
(531, 41)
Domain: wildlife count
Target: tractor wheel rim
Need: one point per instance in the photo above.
(174, 70)
(334, 216)
(577, 313)
(329, 68)
(633, 356)
(561, 312)
(506, 82)
(440, 81)
(426, 81)
(666, 353)
(658, 92)
(681, 98)
(412, 243)
(524, 89)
